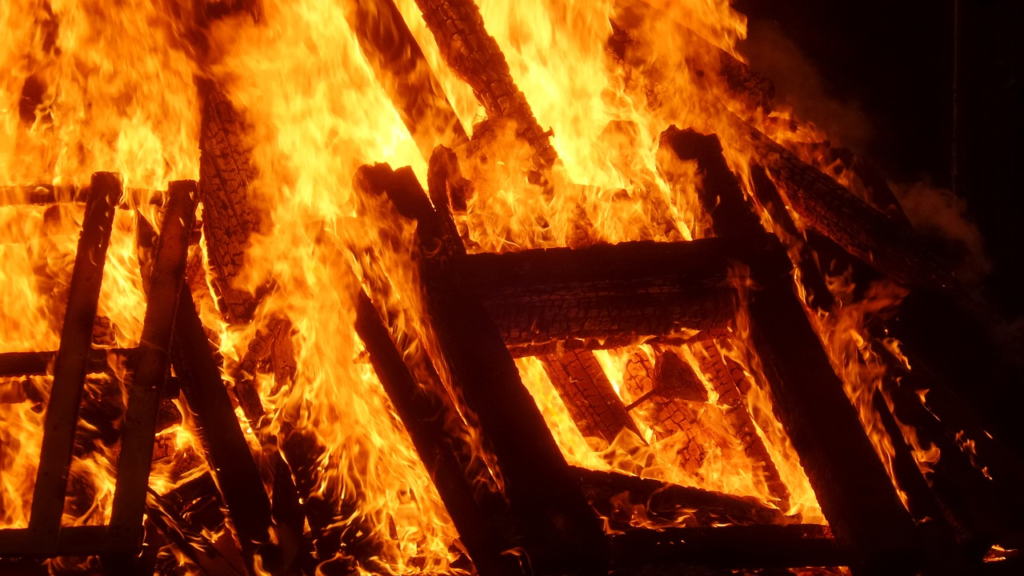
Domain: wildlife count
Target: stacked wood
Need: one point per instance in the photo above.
(72, 360)
(475, 57)
(558, 529)
(405, 74)
(615, 495)
(588, 394)
(615, 295)
(808, 397)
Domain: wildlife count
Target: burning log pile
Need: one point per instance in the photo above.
(674, 387)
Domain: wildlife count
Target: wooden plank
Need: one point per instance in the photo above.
(669, 502)
(151, 363)
(405, 74)
(424, 414)
(226, 449)
(476, 58)
(588, 395)
(73, 358)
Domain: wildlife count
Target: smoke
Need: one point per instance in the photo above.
(800, 87)
(941, 216)
(936, 213)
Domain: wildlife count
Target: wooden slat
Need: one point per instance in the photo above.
(151, 363)
(226, 449)
(73, 358)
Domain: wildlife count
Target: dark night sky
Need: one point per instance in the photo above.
(891, 67)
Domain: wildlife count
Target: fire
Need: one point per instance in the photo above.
(112, 86)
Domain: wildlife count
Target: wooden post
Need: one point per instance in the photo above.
(151, 363)
(72, 359)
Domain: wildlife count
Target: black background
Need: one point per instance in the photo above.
(890, 65)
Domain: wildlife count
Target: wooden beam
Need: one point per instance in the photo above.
(617, 294)
(808, 397)
(226, 449)
(476, 58)
(151, 363)
(72, 359)
(558, 529)
(405, 74)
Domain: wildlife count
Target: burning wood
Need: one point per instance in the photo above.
(474, 381)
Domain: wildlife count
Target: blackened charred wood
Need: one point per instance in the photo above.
(808, 397)
(474, 56)
(226, 449)
(38, 363)
(230, 213)
(939, 537)
(405, 74)
(673, 377)
(588, 394)
(826, 206)
(560, 531)
(818, 294)
(73, 358)
(449, 191)
(626, 291)
(424, 413)
(733, 547)
(151, 364)
(669, 502)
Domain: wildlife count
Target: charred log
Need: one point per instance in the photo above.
(152, 363)
(818, 294)
(230, 215)
(619, 293)
(406, 75)
(226, 449)
(424, 414)
(669, 503)
(474, 56)
(828, 207)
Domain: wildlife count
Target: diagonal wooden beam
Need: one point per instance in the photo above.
(73, 358)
